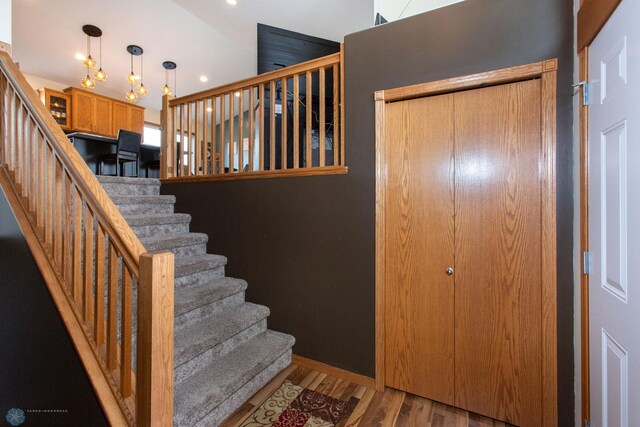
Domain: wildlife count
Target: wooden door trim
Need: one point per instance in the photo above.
(547, 72)
(592, 16)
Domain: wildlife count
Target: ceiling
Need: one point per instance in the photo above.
(204, 37)
(392, 10)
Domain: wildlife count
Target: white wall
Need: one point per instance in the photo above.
(5, 21)
(392, 10)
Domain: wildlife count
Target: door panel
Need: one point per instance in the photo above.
(103, 116)
(614, 230)
(83, 110)
(121, 117)
(498, 300)
(419, 295)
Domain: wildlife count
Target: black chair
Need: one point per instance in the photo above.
(127, 151)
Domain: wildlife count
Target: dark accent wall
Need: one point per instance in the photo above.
(306, 245)
(39, 368)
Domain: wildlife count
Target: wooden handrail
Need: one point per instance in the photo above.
(294, 118)
(90, 259)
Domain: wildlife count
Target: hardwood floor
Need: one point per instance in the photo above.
(391, 408)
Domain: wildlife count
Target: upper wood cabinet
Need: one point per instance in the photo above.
(102, 115)
(59, 105)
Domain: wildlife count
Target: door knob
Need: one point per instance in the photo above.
(449, 271)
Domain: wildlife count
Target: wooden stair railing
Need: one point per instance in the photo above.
(288, 122)
(94, 265)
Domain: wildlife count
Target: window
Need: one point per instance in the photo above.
(151, 134)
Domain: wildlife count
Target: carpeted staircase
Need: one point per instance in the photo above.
(224, 352)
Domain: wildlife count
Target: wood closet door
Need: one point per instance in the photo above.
(419, 295)
(498, 300)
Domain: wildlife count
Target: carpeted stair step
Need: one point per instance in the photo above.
(121, 186)
(195, 302)
(198, 269)
(144, 205)
(154, 225)
(213, 393)
(202, 342)
(182, 245)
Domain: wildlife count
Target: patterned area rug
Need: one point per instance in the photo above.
(295, 406)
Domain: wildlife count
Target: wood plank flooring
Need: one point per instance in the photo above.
(391, 408)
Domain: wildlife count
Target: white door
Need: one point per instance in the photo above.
(614, 220)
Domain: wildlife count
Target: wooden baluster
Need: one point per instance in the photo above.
(68, 224)
(187, 144)
(214, 149)
(180, 152)
(18, 139)
(154, 367)
(232, 145)
(296, 121)
(261, 132)
(197, 144)
(252, 136)
(24, 161)
(336, 119)
(49, 197)
(241, 131)
(3, 116)
(33, 168)
(323, 95)
(222, 120)
(77, 247)
(204, 151)
(88, 264)
(283, 134)
(57, 221)
(126, 332)
(342, 109)
(309, 108)
(112, 309)
(98, 315)
(272, 126)
(167, 151)
(42, 185)
(13, 132)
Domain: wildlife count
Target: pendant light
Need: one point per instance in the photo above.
(89, 62)
(133, 78)
(100, 74)
(168, 65)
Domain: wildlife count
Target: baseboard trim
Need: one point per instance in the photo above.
(332, 370)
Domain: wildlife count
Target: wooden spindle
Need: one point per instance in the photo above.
(18, 143)
(98, 314)
(222, 120)
(322, 93)
(126, 332)
(241, 131)
(204, 151)
(49, 185)
(112, 309)
(232, 145)
(33, 168)
(67, 263)
(261, 131)
(251, 127)
(57, 221)
(77, 246)
(42, 184)
(187, 144)
(272, 126)
(214, 124)
(309, 108)
(296, 121)
(336, 121)
(283, 133)
(88, 264)
(342, 109)
(197, 154)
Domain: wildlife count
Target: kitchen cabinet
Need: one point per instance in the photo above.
(59, 105)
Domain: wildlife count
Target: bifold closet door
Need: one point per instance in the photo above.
(498, 296)
(419, 295)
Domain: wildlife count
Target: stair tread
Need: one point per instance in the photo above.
(154, 219)
(192, 297)
(194, 339)
(196, 263)
(127, 180)
(201, 393)
(179, 239)
(143, 199)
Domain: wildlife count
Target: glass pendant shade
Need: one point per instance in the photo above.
(133, 78)
(132, 96)
(88, 82)
(166, 90)
(89, 62)
(100, 75)
(142, 90)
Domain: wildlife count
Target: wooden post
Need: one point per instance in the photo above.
(167, 145)
(154, 376)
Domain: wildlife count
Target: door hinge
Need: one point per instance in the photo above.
(586, 91)
(586, 263)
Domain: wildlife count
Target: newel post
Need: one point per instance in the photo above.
(154, 372)
(168, 136)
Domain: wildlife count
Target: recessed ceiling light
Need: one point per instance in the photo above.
(203, 78)
(80, 57)
(232, 2)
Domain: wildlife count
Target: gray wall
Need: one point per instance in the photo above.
(306, 245)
